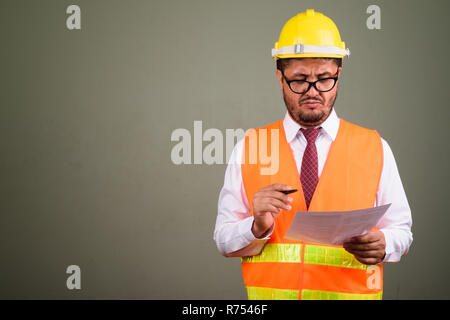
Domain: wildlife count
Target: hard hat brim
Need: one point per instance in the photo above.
(309, 55)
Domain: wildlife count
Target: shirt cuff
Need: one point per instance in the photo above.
(245, 229)
(391, 254)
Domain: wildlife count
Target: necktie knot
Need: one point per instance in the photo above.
(311, 134)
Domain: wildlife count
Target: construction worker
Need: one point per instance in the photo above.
(334, 164)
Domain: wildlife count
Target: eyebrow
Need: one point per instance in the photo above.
(324, 73)
(299, 74)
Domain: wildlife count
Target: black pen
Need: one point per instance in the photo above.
(289, 191)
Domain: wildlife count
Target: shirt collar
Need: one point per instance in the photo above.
(330, 126)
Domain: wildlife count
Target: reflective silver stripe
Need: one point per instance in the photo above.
(304, 48)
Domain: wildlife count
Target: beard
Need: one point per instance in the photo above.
(307, 116)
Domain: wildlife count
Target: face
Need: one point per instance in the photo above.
(313, 107)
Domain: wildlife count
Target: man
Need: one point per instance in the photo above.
(335, 165)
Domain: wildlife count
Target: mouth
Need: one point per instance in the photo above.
(311, 103)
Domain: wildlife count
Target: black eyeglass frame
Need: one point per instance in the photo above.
(310, 84)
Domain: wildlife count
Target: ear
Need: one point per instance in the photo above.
(280, 78)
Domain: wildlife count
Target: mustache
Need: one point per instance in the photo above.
(311, 99)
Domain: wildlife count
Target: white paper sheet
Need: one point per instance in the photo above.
(333, 227)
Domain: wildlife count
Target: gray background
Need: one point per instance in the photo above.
(86, 120)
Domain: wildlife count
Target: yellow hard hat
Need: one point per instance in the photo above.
(309, 34)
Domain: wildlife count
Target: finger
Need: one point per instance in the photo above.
(276, 195)
(363, 246)
(366, 238)
(279, 204)
(368, 261)
(275, 215)
(272, 202)
(369, 258)
(267, 207)
(279, 187)
(368, 254)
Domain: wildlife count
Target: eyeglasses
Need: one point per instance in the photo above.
(303, 86)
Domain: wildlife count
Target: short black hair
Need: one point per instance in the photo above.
(283, 63)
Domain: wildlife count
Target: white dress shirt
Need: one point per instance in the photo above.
(234, 221)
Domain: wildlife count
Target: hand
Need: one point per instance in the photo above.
(369, 248)
(267, 205)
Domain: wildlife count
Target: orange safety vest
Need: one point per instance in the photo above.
(289, 269)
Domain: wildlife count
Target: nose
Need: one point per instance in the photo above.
(312, 92)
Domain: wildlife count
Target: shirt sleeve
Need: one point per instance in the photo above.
(396, 222)
(232, 233)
